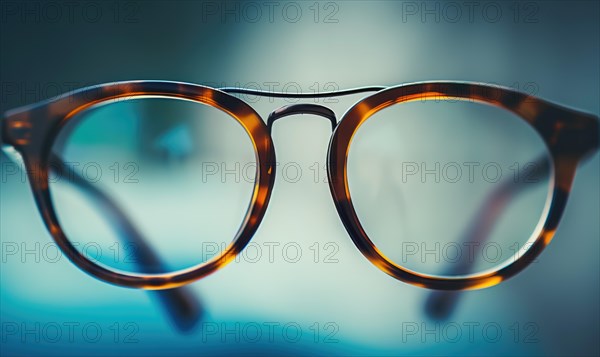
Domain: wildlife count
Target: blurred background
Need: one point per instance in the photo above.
(301, 287)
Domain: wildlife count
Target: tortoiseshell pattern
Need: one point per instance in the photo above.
(569, 135)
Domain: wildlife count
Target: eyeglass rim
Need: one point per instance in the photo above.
(48, 118)
(45, 120)
(539, 114)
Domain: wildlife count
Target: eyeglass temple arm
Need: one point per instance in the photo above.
(441, 304)
(180, 303)
(585, 140)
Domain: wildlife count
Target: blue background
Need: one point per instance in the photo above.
(549, 48)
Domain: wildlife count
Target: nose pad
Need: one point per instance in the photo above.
(294, 109)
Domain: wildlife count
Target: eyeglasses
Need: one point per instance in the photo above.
(365, 154)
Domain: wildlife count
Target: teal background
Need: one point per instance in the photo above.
(548, 48)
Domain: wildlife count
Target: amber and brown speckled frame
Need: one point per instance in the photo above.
(570, 136)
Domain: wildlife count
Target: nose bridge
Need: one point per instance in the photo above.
(308, 108)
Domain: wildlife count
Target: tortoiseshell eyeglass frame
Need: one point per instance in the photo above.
(569, 135)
